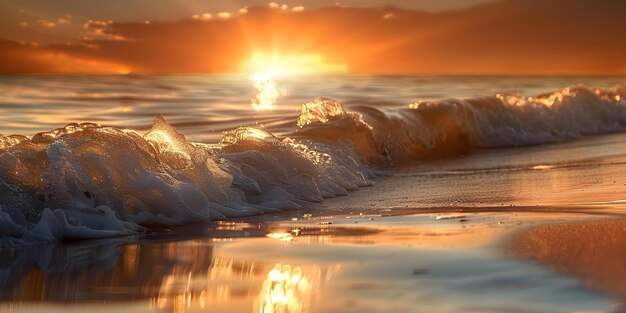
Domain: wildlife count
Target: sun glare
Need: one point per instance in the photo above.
(268, 91)
(265, 68)
(291, 65)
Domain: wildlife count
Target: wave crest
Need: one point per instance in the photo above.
(90, 181)
(430, 129)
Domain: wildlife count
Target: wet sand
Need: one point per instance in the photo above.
(593, 250)
(438, 262)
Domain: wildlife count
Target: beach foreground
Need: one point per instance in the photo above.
(539, 229)
(447, 262)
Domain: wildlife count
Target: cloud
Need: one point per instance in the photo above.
(46, 23)
(101, 30)
(95, 24)
(223, 15)
(507, 37)
(205, 16)
(273, 5)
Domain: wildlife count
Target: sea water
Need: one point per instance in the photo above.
(148, 163)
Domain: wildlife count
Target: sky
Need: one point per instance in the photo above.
(445, 37)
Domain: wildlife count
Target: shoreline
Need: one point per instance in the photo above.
(401, 252)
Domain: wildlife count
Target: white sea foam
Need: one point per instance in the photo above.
(87, 181)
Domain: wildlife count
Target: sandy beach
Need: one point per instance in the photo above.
(595, 251)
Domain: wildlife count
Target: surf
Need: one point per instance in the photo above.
(90, 181)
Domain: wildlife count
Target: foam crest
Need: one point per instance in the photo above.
(431, 129)
(88, 181)
(513, 120)
(320, 110)
(246, 133)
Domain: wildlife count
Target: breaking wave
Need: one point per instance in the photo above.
(87, 181)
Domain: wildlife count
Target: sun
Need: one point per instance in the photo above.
(275, 64)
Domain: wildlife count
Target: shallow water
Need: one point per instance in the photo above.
(588, 173)
(392, 264)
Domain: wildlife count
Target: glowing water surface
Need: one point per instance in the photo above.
(202, 106)
(372, 266)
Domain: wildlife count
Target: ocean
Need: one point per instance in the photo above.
(351, 194)
(203, 106)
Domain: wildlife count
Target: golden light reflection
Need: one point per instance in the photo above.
(551, 99)
(268, 91)
(546, 100)
(247, 133)
(286, 236)
(198, 288)
(266, 68)
(234, 285)
(168, 143)
(189, 276)
(169, 147)
(285, 290)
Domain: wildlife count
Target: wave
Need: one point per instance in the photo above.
(430, 129)
(88, 181)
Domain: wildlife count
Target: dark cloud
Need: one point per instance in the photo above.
(169, 10)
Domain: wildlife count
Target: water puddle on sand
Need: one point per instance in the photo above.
(415, 263)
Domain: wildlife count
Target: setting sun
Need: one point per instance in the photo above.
(265, 68)
(275, 64)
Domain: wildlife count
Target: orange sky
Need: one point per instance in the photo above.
(513, 37)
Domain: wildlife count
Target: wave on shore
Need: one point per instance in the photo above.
(87, 181)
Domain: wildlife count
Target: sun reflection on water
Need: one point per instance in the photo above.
(268, 91)
(189, 276)
(281, 236)
(201, 289)
(285, 290)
